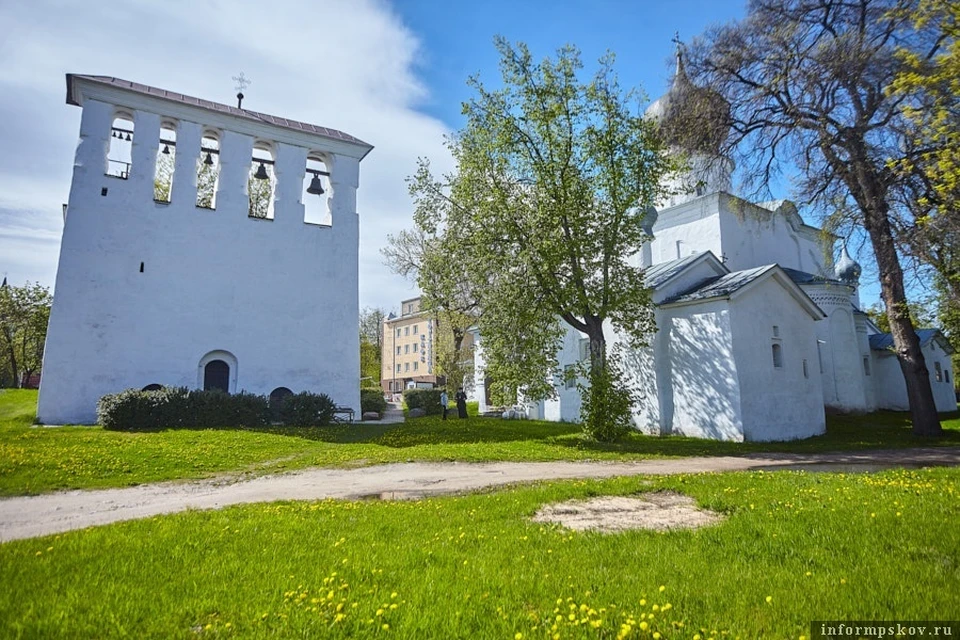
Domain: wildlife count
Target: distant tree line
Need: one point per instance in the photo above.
(24, 312)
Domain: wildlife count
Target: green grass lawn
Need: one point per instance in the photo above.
(794, 547)
(37, 459)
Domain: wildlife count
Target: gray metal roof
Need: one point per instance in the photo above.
(211, 106)
(802, 277)
(657, 274)
(721, 286)
(884, 341)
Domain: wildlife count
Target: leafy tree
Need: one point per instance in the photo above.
(808, 82)
(24, 312)
(371, 343)
(544, 214)
(261, 195)
(921, 315)
(207, 184)
(163, 181)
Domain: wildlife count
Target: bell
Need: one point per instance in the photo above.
(315, 187)
(128, 137)
(166, 150)
(208, 160)
(261, 173)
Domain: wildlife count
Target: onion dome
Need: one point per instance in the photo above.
(694, 119)
(847, 269)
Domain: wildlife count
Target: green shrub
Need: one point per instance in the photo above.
(426, 399)
(173, 407)
(372, 400)
(307, 410)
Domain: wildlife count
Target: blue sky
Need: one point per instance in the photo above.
(391, 73)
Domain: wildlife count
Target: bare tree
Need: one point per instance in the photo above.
(808, 83)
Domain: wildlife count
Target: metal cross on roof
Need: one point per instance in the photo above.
(242, 83)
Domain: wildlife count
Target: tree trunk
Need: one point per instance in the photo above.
(923, 409)
(598, 344)
(12, 355)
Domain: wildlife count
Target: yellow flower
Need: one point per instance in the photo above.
(518, 636)
(385, 627)
(662, 588)
(644, 626)
(769, 599)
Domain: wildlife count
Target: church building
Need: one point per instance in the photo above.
(758, 331)
(204, 246)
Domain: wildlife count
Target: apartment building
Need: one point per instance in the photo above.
(409, 341)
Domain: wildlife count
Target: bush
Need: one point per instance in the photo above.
(307, 410)
(372, 400)
(607, 409)
(173, 407)
(426, 399)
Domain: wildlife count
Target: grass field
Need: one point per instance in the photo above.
(36, 459)
(794, 547)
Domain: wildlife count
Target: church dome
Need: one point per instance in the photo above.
(691, 118)
(847, 269)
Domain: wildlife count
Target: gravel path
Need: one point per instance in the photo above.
(27, 517)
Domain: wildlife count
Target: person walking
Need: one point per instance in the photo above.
(444, 401)
(461, 399)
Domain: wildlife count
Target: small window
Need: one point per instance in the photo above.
(316, 193)
(584, 349)
(153, 387)
(414, 329)
(398, 332)
(866, 365)
(569, 377)
(406, 331)
(776, 331)
(406, 366)
(398, 349)
(946, 375)
(415, 365)
(406, 348)
(777, 356)
(820, 344)
(938, 371)
(414, 347)
(806, 372)
(398, 368)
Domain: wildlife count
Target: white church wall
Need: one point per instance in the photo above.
(692, 227)
(891, 388)
(753, 236)
(780, 395)
(702, 399)
(565, 407)
(146, 290)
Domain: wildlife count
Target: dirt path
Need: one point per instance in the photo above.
(27, 517)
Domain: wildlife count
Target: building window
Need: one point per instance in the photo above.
(776, 331)
(153, 387)
(946, 375)
(398, 368)
(414, 347)
(398, 332)
(398, 349)
(584, 349)
(406, 331)
(866, 365)
(208, 171)
(414, 329)
(166, 159)
(119, 155)
(777, 356)
(260, 183)
(820, 344)
(569, 377)
(406, 348)
(406, 366)
(806, 372)
(938, 371)
(415, 365)
(316, 193)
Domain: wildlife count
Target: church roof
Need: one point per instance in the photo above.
(884, 341)
(720, 286)
(656, 275)
(73, 98)
(802, 277)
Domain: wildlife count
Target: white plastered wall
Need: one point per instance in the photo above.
(280, 295)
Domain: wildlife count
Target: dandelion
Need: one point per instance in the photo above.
(518, 636)
(769, 599)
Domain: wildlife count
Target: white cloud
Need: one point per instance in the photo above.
(346, 64)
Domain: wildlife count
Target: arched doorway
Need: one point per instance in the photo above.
(216, 375)
(277, 396)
